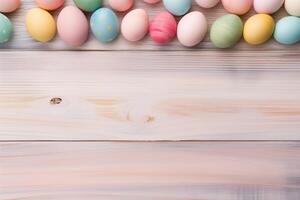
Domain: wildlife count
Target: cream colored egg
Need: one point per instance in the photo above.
(207, 3)
(293, 7)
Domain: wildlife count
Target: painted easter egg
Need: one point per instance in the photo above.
(163, 28)
(135, 25)
(72, 26)
(50, 4)
(287, 30)
(40, 25)
(121, 5)
(105, 25)
(267, 6)
(6, 29)
(238, 7)
(7, 6)
(151, 1)
(293, 7)
(258, 29)
(88, 5)
(226, 31)
(192, 29)
(207, 3)
(178, 7)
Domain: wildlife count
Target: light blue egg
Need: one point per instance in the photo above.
(178, 7)
(105, 25)
(287, 30)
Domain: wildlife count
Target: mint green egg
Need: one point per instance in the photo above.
(226, 31)
(88, 5)
(6, 29)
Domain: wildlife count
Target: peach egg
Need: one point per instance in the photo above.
(7, 6)
(121, 5)
(50, 4)
(238, 7)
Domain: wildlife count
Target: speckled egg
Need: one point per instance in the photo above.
(226, 31)
(72, 26)
(105, 25)
(192, 29)
(135, 25)
(293, 7)
(258, 29)
(178, 7)
(163, 28)
(121, 5)
(287, 30)
(50, 4)
(152, 1)
(40, 25)
(7, 6)
(207, 3)
(238, 7)
(88, 5)
(6, 29)
(267, 6)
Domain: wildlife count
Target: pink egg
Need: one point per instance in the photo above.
(50, 4)
(267, 6)
(7, 6)
(151, 1)
(72, 26)
(163, 28)
(207, 3)
(120, 5)
(238, 7)
(135, 25)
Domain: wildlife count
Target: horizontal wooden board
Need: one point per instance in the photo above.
(156, 171)
(22, 40)
(149, 96)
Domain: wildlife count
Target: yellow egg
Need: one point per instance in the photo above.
(259, 29)
(40, 25)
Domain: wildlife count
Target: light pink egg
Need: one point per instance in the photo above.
(7, 6)
(267, 6)
(121, 5)
(72, 26)
(151, 1)
(135, 25)
(238, 7)
(50, 4)
(207, 3)
(163, 28)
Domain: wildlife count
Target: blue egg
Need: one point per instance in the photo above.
(178, 7)
(105, 25)
(287, 30)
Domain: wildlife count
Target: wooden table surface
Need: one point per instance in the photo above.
(126, 121)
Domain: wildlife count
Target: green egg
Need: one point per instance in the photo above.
(226, 31)
(5, 29)
(88, 5)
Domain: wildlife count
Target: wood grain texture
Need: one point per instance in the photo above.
(156, 171)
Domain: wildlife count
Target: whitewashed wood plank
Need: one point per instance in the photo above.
(149, 96)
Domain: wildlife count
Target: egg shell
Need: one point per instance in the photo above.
(207, 3)
(8, 6)
(238, 7)
(287, 30)
(258, 29)
(121, 5)
(40, 25)
(105, 25)
(151, 1)
(88, 5)
(293, 7)
(163, 28)
(50, 4)
(6, 29)
(267, 6)
(72, 26)
(178, 7)
(226, 31)
(135, 25)
(192, 29)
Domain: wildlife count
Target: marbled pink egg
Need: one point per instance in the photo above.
(7, 6)
(135, 25)
(50, 4)
(151, 1)
(238, 7)
(121, 5)
(163, 28)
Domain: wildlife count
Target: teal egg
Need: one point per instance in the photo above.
(287, 30)
(178, 7)
(6, 29)
(105, 25)
(88, 5)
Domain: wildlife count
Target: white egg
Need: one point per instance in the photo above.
(293, 7)
(207, 3)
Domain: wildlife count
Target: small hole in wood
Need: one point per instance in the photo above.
(55, 101)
